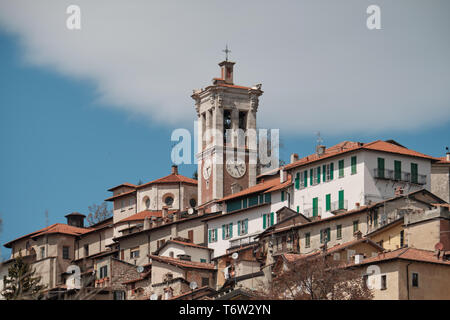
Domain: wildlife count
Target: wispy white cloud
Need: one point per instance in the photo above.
(320, 67)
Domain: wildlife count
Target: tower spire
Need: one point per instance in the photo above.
(227, 51)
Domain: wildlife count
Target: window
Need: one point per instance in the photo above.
(341, 199)
(134, 253)
(318, 174)
(397, 170)
(253, 201)
(383, 282)
(305, 178)
(415, 279)
(339, 231)
(307, 240)
(119, 295)
(171, 254)
(168, 200)
(130, 202)
(192, 202)
(203, 260)
(147, 203)
(341, 168)
(380, 168)
(298, 208)
(86, 250)
(353, 162)
(325, 235)
(297, 180)
(267, 198)
(103, 272)
(315, 207)
(212, 235)
(311, 177)
(355, 226)
(205, 282)
(327, 172)
(227, 231)
(242, 227)
(65, 251)
(402, 238)
(375, 219)
(414, 173)
(42, 252)
(268, 220)
(328, 202)
(282, 195)
(191, 236)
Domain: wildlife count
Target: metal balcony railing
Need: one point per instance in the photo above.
(242, 242)
(339, 205)
(399, 176)
(310, 212)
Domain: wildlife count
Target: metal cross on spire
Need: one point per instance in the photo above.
(226, 52)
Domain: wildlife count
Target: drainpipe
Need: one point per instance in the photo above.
(407, 279)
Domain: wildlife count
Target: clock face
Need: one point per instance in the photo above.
(236, 168)
(207, 169)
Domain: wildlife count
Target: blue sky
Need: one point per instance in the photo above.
(74, 122)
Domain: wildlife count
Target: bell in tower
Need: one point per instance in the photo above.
(227, 135)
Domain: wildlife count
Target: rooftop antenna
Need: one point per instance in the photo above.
(227, 51)
(319, 138)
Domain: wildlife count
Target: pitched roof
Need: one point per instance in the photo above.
(171, 178)
(208, 291)
(407, 253)
(120, 195)
(125, 184)
(140, 216)
(291, 257)
(182, 263)
(347, 146)
(53, 229)
(442, 160)
(263, 186)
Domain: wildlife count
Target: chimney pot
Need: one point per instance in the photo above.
(174, 169)
(294, 157)
(448, 156)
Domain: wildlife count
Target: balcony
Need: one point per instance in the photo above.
(311, 213)
(338, 206)
(242, 242)
(399, 176)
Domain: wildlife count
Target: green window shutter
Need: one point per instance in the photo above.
(380, 168)
(272, 218)
(244, 202)
(341, 168)
(297, 181)
(305, 178)
(246, 225)
(353, 159)
(311, 172)
(268, 197)
(328, 202)
(239, 228)
(324, 173)
(341, 199)
(209, 236)
(315, 207)
(397, 170)
(282, 195)
(261, 198)
(298, 209)
(264, 221)
(223, 232)
(231, 230)
(318, 174)
(331, 170)
(414, 173)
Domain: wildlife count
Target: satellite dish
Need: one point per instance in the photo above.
(235, 255)
(140, 269)
(193, 285)
(154, 297)
(190, 210)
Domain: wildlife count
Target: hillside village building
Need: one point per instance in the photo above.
(230, 231)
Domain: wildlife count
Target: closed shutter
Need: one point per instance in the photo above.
(297, 181)
(282, 195)
(305, 178)
(318, 174)
(223, 232)
(331, 170)
(414, 173)
(341, 168)
(246, 225)
(264, 221)
(272, 221)
(328, 202)
(324, 173)
(341, 199)
(353, 160)
(239, 227)
(231, 230)
(298, 209)
(315, 207)
(209, 236)
(380, 168)
(311, 177)
(398, 170)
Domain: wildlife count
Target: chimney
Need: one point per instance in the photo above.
(398, 191)
(357, 205)
(165, 211)
(283, 175)
(146, 223)
(320, 150)
(358, 235)
(447, 155)
(294, 157)
(174, 169)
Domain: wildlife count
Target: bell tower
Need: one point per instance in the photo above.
(227, 146)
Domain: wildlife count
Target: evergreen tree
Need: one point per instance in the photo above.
(21, 283)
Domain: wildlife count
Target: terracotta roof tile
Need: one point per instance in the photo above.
(120, 195)
(407, 253)
(263, 186)
(140, 216)
(171, 178)
(182, 263)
